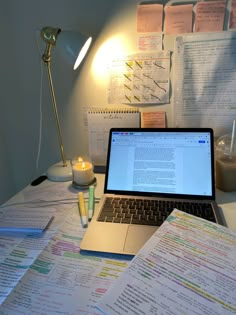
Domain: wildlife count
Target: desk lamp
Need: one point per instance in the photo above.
(74, 47)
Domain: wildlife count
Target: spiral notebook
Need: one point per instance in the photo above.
(100, 121)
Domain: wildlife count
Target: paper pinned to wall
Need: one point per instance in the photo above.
(149, 17)
(232, 19)
(141, 78)
(178, 19)
(210, 16)
(149, 41)
(153, 119)
(204, 81)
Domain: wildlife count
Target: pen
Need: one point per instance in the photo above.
(91, 203)
(82, 209)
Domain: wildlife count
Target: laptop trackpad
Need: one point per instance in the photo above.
(137, 236)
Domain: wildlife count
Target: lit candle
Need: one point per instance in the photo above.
(82, 172)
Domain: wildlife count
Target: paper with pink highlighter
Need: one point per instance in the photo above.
(178, 19)
(232, 19)
(149, 18)
(210, 16)
(153, 119)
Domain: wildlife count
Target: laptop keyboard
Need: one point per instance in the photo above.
(149, 212)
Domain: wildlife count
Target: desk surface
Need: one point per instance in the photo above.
(227, 202)
(55, 277)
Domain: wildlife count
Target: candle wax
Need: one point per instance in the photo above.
(82, 172)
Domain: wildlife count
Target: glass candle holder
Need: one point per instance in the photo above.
(82, 172)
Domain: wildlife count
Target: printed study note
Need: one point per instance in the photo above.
(178, 19)
(61, 280)
(204, 75)
(140, 78)
(187, 267)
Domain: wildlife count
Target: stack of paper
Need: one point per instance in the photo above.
(21, 220)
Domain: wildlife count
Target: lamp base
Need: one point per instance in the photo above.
(60, 173)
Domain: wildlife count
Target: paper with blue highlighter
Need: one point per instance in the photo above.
(24, 220)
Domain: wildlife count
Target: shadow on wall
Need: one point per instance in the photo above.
(7, 185)
(19, 118)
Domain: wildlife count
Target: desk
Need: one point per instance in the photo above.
(52, 276)
(227, 202)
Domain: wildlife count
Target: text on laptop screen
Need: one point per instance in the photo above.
(161, 162)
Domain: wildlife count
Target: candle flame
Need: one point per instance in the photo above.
(83, 165)
(80, 159)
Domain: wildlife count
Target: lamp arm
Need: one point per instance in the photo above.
(46, 58)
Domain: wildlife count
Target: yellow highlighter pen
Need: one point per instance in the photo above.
(82, 210)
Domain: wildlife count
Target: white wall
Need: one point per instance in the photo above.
(20, 84)
(20, 78)
(20, 62)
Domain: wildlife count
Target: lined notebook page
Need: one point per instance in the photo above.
(100, 122)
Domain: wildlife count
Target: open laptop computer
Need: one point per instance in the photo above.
(149, 173)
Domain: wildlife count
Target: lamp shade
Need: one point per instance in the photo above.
(73, 46)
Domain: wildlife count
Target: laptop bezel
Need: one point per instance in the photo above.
(163, 195)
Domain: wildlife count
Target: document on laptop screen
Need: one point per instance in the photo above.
(164, 162)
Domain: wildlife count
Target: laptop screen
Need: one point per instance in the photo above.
(173, 161)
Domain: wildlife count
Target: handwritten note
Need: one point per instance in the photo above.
(149, 41)
(232, 19)
(149, 18)
(204, 72)
(153, 119)
(210, 16)
(178, 19)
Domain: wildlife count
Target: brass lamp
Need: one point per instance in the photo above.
(74, 47)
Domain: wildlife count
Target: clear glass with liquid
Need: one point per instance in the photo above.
(226, 162)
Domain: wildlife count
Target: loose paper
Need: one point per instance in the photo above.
(204, 81)
(210, 16)
(178, 19)
(153, 119)
(187, 267)
(149, 18)
(140, 79)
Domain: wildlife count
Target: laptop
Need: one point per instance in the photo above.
(148, 171)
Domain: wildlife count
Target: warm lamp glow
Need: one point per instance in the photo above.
(82, 53)
(113, 48)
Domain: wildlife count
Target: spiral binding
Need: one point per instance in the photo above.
(106, 110)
